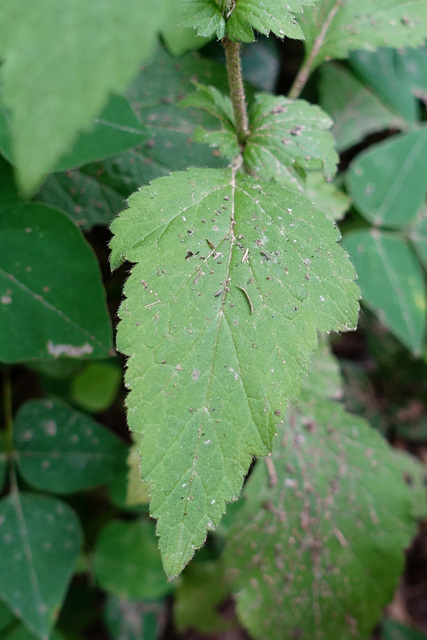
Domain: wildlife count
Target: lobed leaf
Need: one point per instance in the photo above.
(40, 541)
(232, 280)
(77, 53)
(333, 28)
(317, 549)
(288, 137)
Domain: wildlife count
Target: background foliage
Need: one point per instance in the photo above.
(100, 99)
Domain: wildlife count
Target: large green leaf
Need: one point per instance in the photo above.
(114, 131)
(127, 561)
(51, 294)
(40, 540)
(388, 181)
(61, 450)
(233, 279)
(392, 283)
(334, 28)
(317, 549)
(355, 108)
(381, 71)
(95, 193)
(75, 54)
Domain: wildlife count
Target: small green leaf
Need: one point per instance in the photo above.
(317, 550)
(134, 619)
(333, 28)
(272, 16)
(77, 54)
(178, 39)
(40, 541)
(380, 71)
(96, 387)
(127, 561)
(204, 587)
(387, 182)
(52, 302)
(392, 283)
(95, 193)
(205, 16)
(233, 279)
(61, 450)
(354, 107)
(418, 235)
(288, 137)
(326, 196)
(114, 131)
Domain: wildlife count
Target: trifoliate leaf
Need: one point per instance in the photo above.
(317, 550)
(273, 16)
(232, 280)
(287, 137)
(333, 28)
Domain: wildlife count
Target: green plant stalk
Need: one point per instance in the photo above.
(237, 89)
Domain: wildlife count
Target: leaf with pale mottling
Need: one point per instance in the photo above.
(233, 279)
(317, 550)
(40, 541)
(333, 28)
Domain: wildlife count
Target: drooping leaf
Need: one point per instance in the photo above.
(392, 283)
(418, 235)
(355, 108)
(95, 388)
(317, 550)
(233, 279)
(388, 181)
(127, 561)
(77, 54)
(380, 70)
(40, 540)
(333, 28)
(95, 193)
(134, 619)
(288, 137)
(114, 131)
(203, 588)
(62, 450)
(52, 302)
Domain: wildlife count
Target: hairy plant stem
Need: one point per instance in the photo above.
(306, 69)
(237, 89)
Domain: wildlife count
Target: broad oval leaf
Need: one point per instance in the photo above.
(62, 450)
(388, 181)
(77, 53)
(127, 561)
(333, 28)
(52, 302)
(392, 283)
(232, 280)
(317, 549)
(40, 540)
